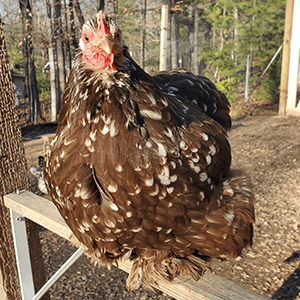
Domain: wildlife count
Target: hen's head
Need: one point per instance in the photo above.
(101, 42)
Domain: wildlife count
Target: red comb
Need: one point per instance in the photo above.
(103, 29)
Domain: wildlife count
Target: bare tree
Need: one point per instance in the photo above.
(51, 56)
(169, 30)
(143, 32)
(191, 34)
(59, 45)
(174, 39)
(111, 7)
(30, 76)
(163, 65)
(195, 49)
(79, 13)
(66, 37)
(72, 24)
(101, 5)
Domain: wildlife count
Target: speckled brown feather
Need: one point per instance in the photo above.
(140, 173)
(196, 90)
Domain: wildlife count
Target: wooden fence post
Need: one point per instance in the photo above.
(163, 37)
(13, 176)
(286, 57)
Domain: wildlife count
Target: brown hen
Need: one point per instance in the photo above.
(140, 165)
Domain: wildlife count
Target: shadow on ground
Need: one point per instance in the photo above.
(291, 287)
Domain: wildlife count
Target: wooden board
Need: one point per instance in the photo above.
(39, 210)
(209, 287)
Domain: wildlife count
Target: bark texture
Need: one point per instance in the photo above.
(13, 176)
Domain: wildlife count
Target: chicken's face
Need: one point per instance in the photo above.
(101, 42)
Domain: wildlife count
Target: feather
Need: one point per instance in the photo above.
(140, 167)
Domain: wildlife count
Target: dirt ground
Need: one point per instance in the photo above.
(268, 149)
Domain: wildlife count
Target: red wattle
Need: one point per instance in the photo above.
(100, 60)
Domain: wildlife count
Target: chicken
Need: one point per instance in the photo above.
(140, 168)
(196, 90)
(39, 174)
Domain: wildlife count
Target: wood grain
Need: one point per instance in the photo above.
(39, 210)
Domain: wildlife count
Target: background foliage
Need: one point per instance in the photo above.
(228, 30)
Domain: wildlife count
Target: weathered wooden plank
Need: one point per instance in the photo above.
(209, 287)
(39, 210)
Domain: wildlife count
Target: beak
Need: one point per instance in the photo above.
(105, 44)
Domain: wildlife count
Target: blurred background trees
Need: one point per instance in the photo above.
(211, 38)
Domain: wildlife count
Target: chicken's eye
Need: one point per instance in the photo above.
(86, 39)
(117, 35)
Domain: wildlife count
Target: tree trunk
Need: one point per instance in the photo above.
(30, 80)
(111, 7)
(72, 25)
(169, 46)
(59, 45)
(51, 56)
(216, 74)
(79, 13)
(236, 19)
(191, 34)
(174, 40)
(101, 5)
(13, 176)
(164, 36)
(116, 7)
(66, 37)
(26, 70)
(195, 50)
(143, 13)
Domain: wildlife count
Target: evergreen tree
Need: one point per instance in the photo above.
(260, 33)
(221, 36)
